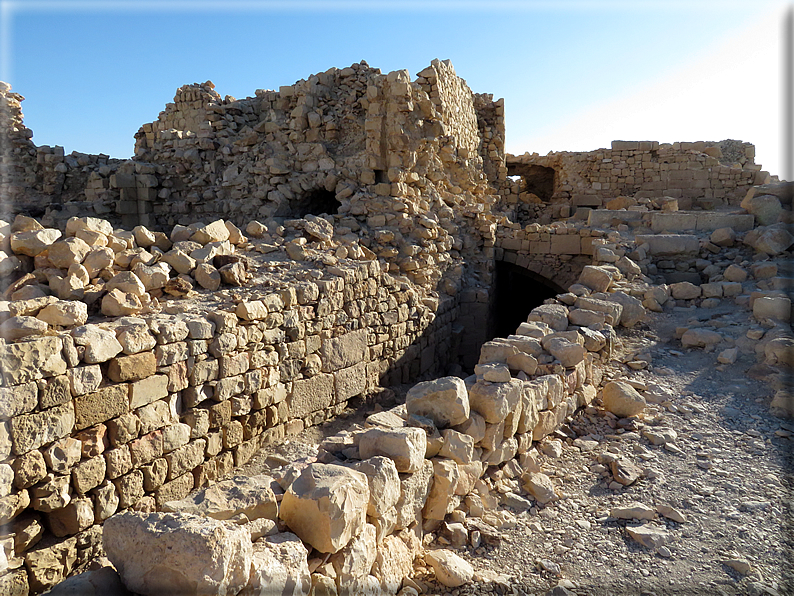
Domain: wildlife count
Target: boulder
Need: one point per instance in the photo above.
(772, 307)
(213, 232)
(596, 278)
(384, 483)
(207, 276)
(441, 499)
(765, 208)
(700, 338)
(554, 315)
(178, 553)
(248, 495)
(451, 569)
(20, 327)
(393, 564)
(773, 240)
(406, 446)
(279, 567)
(684, 290)
(494, 401)
(34, 242)
(568, 353)
(539, 486)
(66, 252)
(326, 505)
(64, 313)
(622, 399)
(354, 562)
(445, 401)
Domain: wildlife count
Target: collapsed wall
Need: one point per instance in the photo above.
(140, 364)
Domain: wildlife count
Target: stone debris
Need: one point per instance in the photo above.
(346, 241)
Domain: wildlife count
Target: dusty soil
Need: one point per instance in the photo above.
(728, 472)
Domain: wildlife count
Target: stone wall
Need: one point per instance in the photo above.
(705, 174)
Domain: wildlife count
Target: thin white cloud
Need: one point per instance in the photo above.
(730, 91)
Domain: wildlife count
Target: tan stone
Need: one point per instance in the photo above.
(451, 570)
(406, 446)
(620, 398)
(251, 496)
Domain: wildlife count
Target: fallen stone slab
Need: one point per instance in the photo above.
(451, 569)
(445, 401)
(326, 505)
(178, 553)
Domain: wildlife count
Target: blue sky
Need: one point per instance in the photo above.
(574, 74)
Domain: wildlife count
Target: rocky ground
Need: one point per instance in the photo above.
(708, 448)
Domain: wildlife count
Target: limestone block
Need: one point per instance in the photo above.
(457, 446)
(611, 308)
(50, 494)
(34, 242)
(132, 368)
(554, 315)
(207, 276)
(91, 224)
(598, 279)
(772, 307)
(384, 483)
(31, 431)
(568, 353)
(152, 277)
(344, 351)
(669, 245)
(101, 405)
(539, 486)
(700, 338)
(117, 303)
(474, 427)
(148, 390)
(493, 401)
(311, 395)
(780, 351)
(171, 553)
(185, 458)
(279, 567)
(18, 400)
(326, 505)
(75, 517)
(441, 500)
(24, 472)
(773, 240)
(31, 359)
(622, 399)
(20, 327)
(349, 382)
(63, 454)
(445, 401)
(684, 290)
(765, 208)
(583, 317)
(64, 313)
(393, 564)
(48, 566)
(97, 259)
(233, 274)
(252, 496)
(135, 338)
(497, 351)
(180, 261)
(632, 311)
(100, 344)
(354, 562)
(213, 232)
(406, 446)
(451, 569)
(725, 237)
(66, 252)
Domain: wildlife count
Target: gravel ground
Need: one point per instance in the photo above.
(728, 472)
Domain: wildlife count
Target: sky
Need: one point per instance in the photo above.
(574, 74)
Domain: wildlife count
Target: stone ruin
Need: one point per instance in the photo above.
(262, 265)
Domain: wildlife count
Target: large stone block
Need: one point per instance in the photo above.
(32, 359)
(99, 406)
(173, 553)
(311, 395)
(279, 566)
(349, 382)
(494, 401)
(384, 483)
(622, 399)
(414, 489)
(344, 351)
(405, 446)
(31, 431)
(326, 506)
(445, 401)
(668, 245)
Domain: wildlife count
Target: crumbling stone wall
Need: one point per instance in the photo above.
(701, 174)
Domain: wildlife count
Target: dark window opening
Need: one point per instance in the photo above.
(315, 202)
(516, 292)
(381, 177)
(538, 180)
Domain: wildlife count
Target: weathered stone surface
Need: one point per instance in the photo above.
(311, 395)
(252, 496)
(539, 486)
(554, 315)
(406, 446)
(84, 379)
(101, 405)
(48, 566)
(441, 499)
(75, 517)
(22, 326)
(384, 484)
(64, 253)
(648, 535)
(633, 510)
(32, 359)
(100, 344)
(598, 279)
(445, 401)
(148, 390)
(132, 368)
(279, 567)
(765, 208)
(494, 401)
(773, 240)
(622, 399)
(451, 570)
(31, 431)
(772, 307)
(393, 563)
(344, 351)
(326, 506)
(33, 242)
(18, 400)
(355, 561)
(172, 553)
(700, 338)
(64, 313)
(213, 232)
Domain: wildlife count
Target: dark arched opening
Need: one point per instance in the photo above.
(516, 292)
(318, 201)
